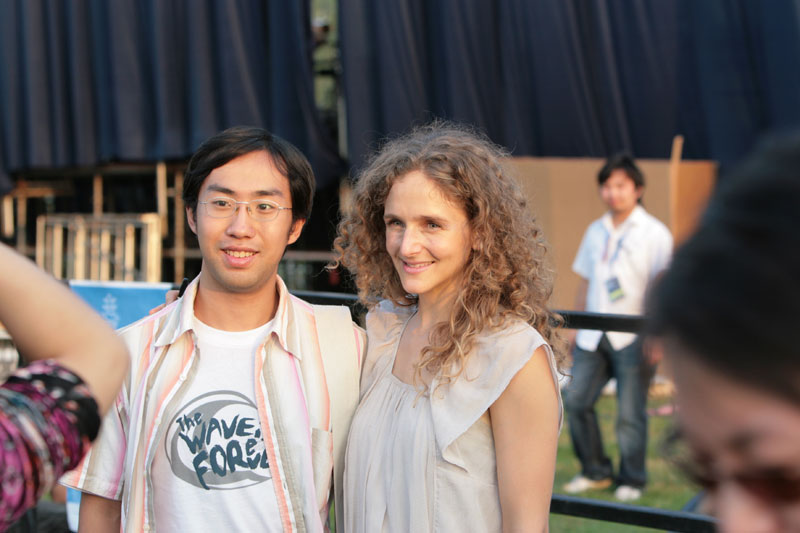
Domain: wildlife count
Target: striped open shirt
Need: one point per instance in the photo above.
(290, 381)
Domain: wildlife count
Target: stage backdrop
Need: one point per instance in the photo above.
(91, 82)
(575, 78)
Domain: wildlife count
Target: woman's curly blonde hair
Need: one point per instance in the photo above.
(505, 276)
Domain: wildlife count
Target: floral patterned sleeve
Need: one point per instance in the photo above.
(48, 419)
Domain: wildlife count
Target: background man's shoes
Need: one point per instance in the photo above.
(626, 493)
(581, 483)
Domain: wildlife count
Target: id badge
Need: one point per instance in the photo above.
(614, 289)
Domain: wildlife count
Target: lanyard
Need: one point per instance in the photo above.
(618, 248)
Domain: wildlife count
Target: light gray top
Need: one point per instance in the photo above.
(427, 462)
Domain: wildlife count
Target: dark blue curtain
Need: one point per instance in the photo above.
(85, 82)
(575, 78)
(90, 81)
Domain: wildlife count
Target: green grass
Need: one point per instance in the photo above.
(666, 488)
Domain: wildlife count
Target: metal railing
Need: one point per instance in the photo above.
(572, 319)
(591, 509)
(634, 515)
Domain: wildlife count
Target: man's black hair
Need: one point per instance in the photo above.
(240, 140)
(621, 161)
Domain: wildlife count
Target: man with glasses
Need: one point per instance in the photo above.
(232, 416)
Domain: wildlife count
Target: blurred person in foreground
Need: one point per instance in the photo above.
(50, 410)
(620, 254)
(725, 314)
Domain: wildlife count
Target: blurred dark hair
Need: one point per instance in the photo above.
(731, 298)
(621, 161)
(234, 142)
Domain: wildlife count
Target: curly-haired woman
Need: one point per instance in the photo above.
(460, 411)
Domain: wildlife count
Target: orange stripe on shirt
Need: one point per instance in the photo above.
(166, 392)
(266, 431)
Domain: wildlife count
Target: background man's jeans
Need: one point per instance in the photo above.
(590, 372)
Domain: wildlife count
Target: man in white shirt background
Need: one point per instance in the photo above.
(619, 256)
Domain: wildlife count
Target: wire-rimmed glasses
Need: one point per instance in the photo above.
(223, 207)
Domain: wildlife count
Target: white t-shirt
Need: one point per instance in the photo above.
(620, 263)
(211, 472)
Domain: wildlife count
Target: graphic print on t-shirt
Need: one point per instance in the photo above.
(214, 442)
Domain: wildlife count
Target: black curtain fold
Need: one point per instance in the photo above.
(575, 78)
(403, 64)
(88, 82)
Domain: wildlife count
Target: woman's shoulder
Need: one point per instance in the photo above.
(501, 352)
(513, 334)
(386, 317)
(498, 355)
(384, 323)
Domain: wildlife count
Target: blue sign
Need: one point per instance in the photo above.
(121, 302)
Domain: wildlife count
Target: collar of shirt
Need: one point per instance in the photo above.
(636, 216)
(179, 319)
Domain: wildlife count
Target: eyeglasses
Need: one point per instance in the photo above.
(777, 485)
(223, 207)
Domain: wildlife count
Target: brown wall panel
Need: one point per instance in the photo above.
(564, 197)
